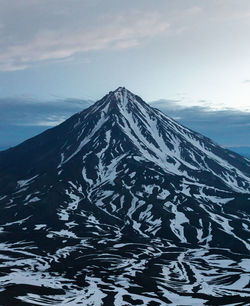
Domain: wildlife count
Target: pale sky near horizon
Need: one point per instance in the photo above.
(194, 52)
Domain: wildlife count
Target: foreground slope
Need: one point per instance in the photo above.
(120, 204)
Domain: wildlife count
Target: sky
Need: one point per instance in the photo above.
(57, 54)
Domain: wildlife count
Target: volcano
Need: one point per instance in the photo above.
(122, 205)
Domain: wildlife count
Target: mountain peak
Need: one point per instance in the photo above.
(122, 94)
(118, 100)
(121, 89)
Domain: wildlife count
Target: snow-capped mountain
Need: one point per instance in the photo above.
(121, 205)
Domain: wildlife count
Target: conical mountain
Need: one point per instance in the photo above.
(122, 178)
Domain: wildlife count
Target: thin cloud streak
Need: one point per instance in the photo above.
(51, 45)
(32, 112)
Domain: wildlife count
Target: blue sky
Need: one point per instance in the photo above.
(56, 53)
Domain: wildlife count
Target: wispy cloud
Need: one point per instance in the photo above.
(48, 121)
(52, 44)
